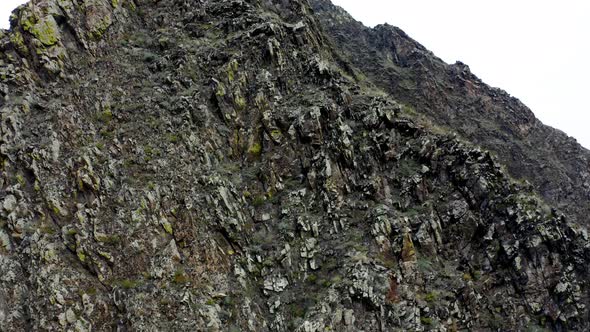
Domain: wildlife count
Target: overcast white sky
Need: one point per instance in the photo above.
(537, 50)
(6, 7)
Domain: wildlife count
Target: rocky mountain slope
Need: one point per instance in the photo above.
(237, 166)
(452, 97)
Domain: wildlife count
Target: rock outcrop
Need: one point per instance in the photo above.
(233, 166)
(452, 97)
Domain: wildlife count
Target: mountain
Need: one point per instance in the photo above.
(272, 165)
(452, 97)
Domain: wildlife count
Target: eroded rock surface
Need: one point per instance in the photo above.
(219, 166)
(452, 97)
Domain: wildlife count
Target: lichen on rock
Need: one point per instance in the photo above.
(46, 31)
(230, 165)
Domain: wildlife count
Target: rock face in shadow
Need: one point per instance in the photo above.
(454, 98)
(269, 166)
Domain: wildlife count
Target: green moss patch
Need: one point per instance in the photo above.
(46, 31)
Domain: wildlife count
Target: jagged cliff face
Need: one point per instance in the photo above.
(225, 166)
(452, 97)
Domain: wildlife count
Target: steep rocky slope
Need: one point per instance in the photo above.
(216, 166)
(452, 97)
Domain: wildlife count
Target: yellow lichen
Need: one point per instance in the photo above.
(408, 250)
(240, 102)
(255, 149)
(20, 179)
(27, 21)
(276, 134)
(106, 115)
(220, 90)
(232, 68)
(46, 31)
(167, 227)
(19, 42)
(106, 255)
(99, 28)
